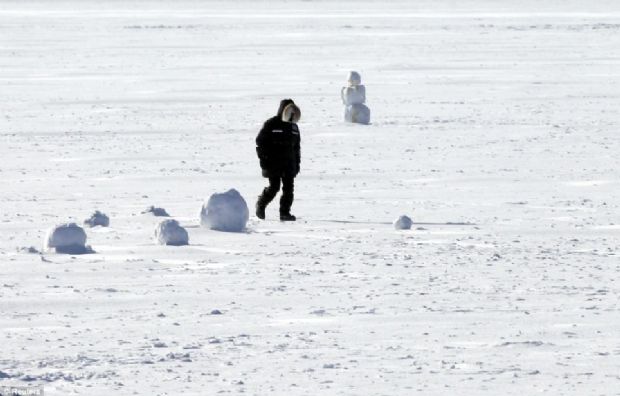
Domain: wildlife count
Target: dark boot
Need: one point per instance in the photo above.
(260, 209)
(287, 217)
(267, 196)
(286, 201)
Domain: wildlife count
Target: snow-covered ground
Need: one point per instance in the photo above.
(494, 126)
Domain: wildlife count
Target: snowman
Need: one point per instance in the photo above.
(353, 97)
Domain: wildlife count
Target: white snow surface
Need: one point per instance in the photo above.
(495, 122)
(170, 232)
(226, 211)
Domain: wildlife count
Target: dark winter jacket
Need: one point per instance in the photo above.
(278, 146)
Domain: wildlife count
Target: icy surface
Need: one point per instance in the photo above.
(496, 120)
(170, 232)
(225, 212)
(66, 238)
(403, 223)
(98, 219)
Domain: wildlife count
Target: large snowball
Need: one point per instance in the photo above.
(403, 223)
(225, 212)
(170, 232)
(97, 219)
(67, 238)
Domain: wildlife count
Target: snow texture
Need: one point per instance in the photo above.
(67, 238)
(225, 212)
(403, 223)
(170, 232)
(97, 219)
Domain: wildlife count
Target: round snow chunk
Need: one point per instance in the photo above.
(170, 232)
(97, 219)
(357, 113)
(225, 212)
(159, 212)
(67, 238)
(353, 95)
(403, 223)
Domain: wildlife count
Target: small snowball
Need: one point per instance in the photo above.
(159, 212)
(67, 238)
(97, 219)
(169, 232)
(403, 223)
(225, 212)
(29, 250)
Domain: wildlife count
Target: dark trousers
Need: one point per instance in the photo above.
(269, 193)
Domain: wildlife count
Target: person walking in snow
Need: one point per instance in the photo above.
(278, 149)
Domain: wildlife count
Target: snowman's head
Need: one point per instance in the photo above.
(354, 78)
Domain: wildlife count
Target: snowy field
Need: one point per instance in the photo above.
(494, 125)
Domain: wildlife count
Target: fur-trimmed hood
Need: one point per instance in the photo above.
(291, 113)
(283, 104)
